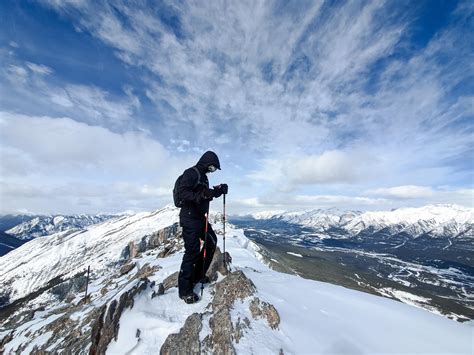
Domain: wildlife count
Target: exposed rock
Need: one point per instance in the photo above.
(222, 333)
(235, 286)
(103, 291)
(155, 240)
(159, 292)
(164, 253)
(133, 250)
(8, 338)
(147, 271)
(158, 238)
(170, 247)
(126, 268)
(171, 281)
(187, 340)
(107, 324)
(240, 326)
(261, 309)
(217, 265)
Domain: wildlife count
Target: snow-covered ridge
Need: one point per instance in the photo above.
(438, 220)
(45, 225)
(315, 317)
(66, 253)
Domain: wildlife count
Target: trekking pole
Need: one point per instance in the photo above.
(223, 222)
(87, 282)
(204, 253)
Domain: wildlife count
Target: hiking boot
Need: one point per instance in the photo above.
(191, 298)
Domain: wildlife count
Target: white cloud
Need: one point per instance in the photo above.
(330, 167)
(39, 68)
(61, 165)
(86, 103)
(289, 91)
(63, 143)
(404, 192)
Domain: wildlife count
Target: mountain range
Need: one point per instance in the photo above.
(39, 226)
(132, 303)
(445, 221)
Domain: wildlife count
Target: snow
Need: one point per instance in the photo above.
(315, 317)
(158, 317)
(440, 220)
(57, 220)
(295, 254)
(32, 265)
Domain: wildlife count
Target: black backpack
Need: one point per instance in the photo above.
(177, 201)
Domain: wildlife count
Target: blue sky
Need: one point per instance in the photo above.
(309, 104)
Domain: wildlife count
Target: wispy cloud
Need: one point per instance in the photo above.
(300, 98)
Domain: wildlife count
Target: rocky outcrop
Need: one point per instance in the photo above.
(217, 265)
(261, 309)
(224, 332)
(236, 286)
(73, 285)
(107, 325)
(171, 281)
(168, 238)
(187, 340)
(125, 269)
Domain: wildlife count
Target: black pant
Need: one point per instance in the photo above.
(192, 266)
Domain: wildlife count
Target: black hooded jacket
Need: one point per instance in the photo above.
(197, 194)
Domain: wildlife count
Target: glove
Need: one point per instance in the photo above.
(216, 192)
(205, 194)
(222, 188)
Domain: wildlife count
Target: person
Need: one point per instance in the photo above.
(195, 193)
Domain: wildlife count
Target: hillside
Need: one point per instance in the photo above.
(133, 305)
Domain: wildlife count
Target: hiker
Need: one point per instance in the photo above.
(194, 195)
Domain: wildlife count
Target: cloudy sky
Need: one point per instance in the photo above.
(309, 104)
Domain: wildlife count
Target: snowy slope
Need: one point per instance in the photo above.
(314, 317)
(35, 263)
(44, 225)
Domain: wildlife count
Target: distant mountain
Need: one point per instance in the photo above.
(423, 252)
(40, 226)
(448, 221)
(8, 243)
(10, 220)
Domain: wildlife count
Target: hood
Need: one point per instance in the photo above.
(207, 159)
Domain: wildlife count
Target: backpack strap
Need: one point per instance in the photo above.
(199, 177)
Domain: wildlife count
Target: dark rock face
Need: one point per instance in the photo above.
(166, 237)
(73, 285)
(159, 292)
(217, 265)
(187, 340)
(107, 325)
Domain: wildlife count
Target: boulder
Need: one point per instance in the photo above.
(187, 340)
(125, 269)
(217, 265)
(171, 281)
